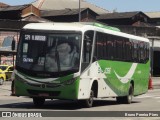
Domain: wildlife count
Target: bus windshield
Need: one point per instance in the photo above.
(50, 53)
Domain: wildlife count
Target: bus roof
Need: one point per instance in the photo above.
(69, 26)
(81, 26)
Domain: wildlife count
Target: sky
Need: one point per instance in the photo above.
(117, 5)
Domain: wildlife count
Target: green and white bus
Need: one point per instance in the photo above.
(80, 61)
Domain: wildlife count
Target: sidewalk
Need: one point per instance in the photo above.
(156, 82)
(5, 89)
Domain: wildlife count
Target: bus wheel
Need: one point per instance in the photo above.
(128, 98)
(120, 100)
(89, 102)
(1, 81)
(38, 102)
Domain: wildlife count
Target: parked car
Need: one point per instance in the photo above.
(7, 70)
(2, 77)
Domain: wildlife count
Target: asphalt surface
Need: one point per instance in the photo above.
(149, 101)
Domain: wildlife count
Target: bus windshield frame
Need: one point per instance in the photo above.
(49, 54)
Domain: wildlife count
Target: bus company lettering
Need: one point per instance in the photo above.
(106, 71)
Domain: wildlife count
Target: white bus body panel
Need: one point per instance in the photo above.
(88, 77)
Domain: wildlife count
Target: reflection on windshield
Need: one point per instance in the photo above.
(50, 53)
(58, 58)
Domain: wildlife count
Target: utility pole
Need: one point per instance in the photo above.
(79, 10)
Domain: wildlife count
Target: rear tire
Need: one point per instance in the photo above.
(129, 97)
(120, 100)
(38, 102)
(126, 99)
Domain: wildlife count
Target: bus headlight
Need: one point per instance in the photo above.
(71, 81)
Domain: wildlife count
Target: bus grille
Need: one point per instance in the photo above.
(37, 92)
(46, 85)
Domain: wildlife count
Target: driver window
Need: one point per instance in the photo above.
(87, 48)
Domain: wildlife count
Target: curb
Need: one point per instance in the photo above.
(156, 86)
(7, 82)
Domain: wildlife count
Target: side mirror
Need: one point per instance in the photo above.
(13, 44)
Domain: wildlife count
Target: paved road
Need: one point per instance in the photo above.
(147, 102)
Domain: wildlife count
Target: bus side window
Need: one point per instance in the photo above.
(148, 51)
(100, 46)
(141, 51)
(135, 51)
(110, 47)
(128, 51)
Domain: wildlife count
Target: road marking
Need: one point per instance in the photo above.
(145, 96)
(148, 96)
(157, 97)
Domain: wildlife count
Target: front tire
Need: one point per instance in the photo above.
(38, 102)
(89, 102)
